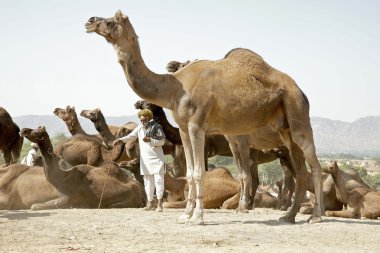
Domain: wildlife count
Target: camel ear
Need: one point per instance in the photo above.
(116, 32)
(119, 17)
(335, 164)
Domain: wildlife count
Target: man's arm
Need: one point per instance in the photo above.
(132, 135)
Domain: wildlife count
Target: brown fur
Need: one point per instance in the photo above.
(22, 186)
(10, 140)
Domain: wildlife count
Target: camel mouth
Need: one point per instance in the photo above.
(90, 27)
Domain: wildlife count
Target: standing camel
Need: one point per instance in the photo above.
(10, 140)
(265, 109)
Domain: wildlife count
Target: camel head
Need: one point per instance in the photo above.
(65, 114)
(174, 66)
(93, 115)
(331, 168)
(38, 135)
(142, 104)
(112, 28)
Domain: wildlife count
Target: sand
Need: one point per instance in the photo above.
(136, 230)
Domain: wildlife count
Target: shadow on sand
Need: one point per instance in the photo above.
(21, 214)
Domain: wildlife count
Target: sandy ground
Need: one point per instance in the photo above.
(136, 230)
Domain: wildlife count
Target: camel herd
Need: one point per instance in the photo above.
(238, 106)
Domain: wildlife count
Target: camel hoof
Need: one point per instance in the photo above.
(288, 219)
(241, 210)
(196, 221)
(199, 221)
(183, 219)
(315, 219)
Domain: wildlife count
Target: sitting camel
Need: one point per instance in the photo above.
(362, 202)
(331, 198)
(10, 140)
(96, 116)
(82, 186)
(21, 186)
(221, 191)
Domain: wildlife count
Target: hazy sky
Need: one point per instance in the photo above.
(47, 60)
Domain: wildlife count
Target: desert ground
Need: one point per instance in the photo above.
(136, 230)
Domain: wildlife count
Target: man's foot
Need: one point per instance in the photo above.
(149, 206)
(159, 206)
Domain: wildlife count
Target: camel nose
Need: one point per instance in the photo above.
(92, 19)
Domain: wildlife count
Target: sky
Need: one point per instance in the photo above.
(47, 60)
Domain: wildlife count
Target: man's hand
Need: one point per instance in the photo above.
(117, 141)
(146, 139)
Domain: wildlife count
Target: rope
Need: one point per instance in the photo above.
(105, 181)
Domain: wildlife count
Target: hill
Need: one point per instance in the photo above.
(360, 138)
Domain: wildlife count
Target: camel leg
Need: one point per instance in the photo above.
(197, 138)
(185, 217)
(240, 150)
(289, 186)
(351, 214)
(7, 155)
(61, 202)
(16, 149)
(254, 174)
(301, 182)
(316, 172)
(232, 202)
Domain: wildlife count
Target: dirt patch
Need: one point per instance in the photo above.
(135, 230)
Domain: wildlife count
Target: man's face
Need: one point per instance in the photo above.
(144, 121)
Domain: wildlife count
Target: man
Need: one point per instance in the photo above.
(151, 138)
(31, 157)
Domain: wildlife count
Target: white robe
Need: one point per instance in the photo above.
(151, 153)
(30, 158)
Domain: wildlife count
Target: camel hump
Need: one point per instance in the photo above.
(238, 52)
(12, 172)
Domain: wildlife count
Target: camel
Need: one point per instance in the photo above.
(217, 144)
(265, 109)
(331, 199)
(10, 140)
(221, 190)
(81, 186)
(362, 201)
(21, 186)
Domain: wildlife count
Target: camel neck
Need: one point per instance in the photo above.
(341, 190)
(75, 127)
(152, 87)
(53, 172)
(172, 133)
(102, 127)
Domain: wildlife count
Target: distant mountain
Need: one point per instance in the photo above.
(361, 137)
(55, 125)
